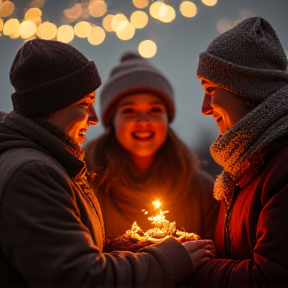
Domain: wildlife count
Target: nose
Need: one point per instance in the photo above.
(92, 118)
(142, 117)
(206, 105)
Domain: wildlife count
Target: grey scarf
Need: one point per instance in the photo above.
(267, 122)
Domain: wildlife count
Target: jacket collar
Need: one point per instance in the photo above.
(16, 131)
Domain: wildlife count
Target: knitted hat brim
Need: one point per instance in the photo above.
(76, 85)
(140, 80)
(233, 77)
(111, 108)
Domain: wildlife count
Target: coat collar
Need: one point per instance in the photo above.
(16, 131)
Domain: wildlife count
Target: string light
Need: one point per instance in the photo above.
(188, 9)
(6, 8)
(96, 36)
(124, 29)
(65, 33)
(97, 8)
(107, 22)
(147, 49)
(82, 29)
(209, 2)
(10, 26)
(27, 29)
(139, 19)
(47, 31)
(140, 3)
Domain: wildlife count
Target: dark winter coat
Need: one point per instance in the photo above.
(255, 233)
(51, 227)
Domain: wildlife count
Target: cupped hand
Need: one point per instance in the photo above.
(200, 251)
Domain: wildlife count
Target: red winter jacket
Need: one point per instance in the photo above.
(252, 241)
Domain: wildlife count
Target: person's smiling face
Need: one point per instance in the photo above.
(141, 124)
(76, 118)
(224, 106)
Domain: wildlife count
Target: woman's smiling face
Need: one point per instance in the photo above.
(224, 106)
(141, 124)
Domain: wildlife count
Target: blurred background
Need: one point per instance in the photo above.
(170, 33)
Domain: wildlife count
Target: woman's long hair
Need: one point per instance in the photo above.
(171, 171)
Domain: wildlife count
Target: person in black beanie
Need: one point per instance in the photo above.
(244, 75)
(51, 224)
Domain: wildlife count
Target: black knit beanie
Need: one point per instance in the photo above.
(49, 75)
(247, 60)
(133, 74)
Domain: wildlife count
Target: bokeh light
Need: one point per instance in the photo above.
(188, 9)
(6, 8)
(27, 29)
(82, 29)
(1, 24)
(127, 33)
(15, 34)
(140, 3)
(34, 15)
(65, 33)
(139, 19)
(155, 8)
(73, 13)
(96, 36)
(36, 3)
(107, 22)
(10, 26)
(97, 8)
(166, 13)
(47, 31)
(209, 2)
(119, 22)
(147, 49)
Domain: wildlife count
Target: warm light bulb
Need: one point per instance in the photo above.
(127, 33)
(47, 31)
(82, 29)
(155, 7)
(188, 9)
(96, 36)
(147, 48)
(10, 26)
(97, 8)
(27, 29)
(1, 24)
(166, 14)
(107, 22)
(139, 19)
(65, 34)
(210, 2)
(6, 8)
(140, 3)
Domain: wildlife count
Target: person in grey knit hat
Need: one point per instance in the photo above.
(244, 75)
(142, 158)
(52, 230)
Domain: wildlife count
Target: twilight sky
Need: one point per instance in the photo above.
(179, 44)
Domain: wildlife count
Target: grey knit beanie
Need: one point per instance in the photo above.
(247, 60)
(49, 75)
(133, 74)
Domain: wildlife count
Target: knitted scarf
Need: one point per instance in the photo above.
(69, 144)
(267, 122)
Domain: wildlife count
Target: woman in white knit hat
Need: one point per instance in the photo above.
(142, 159)
(243, 72)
